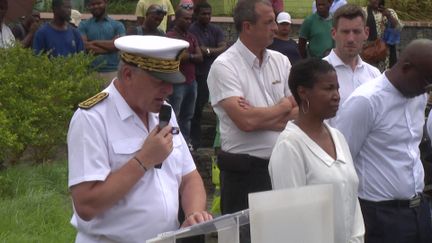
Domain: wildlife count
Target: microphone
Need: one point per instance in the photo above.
(164, 115)
(164, 118)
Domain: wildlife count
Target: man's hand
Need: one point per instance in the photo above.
(157, 146)
(196, 217)
(243, 103)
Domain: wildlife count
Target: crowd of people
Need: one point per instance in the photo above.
(290, 115)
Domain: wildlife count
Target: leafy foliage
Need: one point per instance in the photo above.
(38, 95)
(412, 9)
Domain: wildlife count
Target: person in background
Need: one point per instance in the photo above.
(58, 37)
(349, 32)
(278, 6)
(310, 152)
(334, 6)
(99, 33)
(315, 33)
(75, 18)
(184, 95)
(212, 43)
(249, 93)
(119, 193)
(282, 42)
(6, 36)
(378, 17)
(25, 30)
(154, 16)
(383, 122)
(141, 10)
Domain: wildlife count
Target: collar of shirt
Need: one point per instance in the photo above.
(123, 108)
(104, 18)
(126, 112)
(324, 19)
(336, 61)
(318, 151)
(249, 57)
(390, 87)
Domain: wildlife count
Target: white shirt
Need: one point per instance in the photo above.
(335, 5)
(236, 72)
(298, 161)
(429, 125)
(384, 129)
(348, 79)
(101, 140)
(6, 36)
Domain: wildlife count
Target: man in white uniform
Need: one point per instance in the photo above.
(349, 33)
(383, 122)
(114, 143)
(249, 92)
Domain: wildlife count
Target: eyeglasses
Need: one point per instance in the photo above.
(187, 6)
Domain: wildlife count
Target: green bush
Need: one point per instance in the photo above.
(38, 95)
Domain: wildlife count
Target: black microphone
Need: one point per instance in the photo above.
(164, 115)
(164, 118)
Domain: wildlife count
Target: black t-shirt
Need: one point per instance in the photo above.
(287, 47)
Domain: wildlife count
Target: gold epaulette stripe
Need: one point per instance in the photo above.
(90, 102)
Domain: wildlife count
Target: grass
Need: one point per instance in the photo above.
(35, 204)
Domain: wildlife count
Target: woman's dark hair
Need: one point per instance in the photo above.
(306, 73)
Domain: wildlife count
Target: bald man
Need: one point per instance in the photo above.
(383, 122)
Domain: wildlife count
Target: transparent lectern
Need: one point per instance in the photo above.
(296, 215)
(227, 227)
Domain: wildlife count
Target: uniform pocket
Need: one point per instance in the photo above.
(124, 149)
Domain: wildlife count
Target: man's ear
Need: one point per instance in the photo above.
(246, 25)
(406, 66)
(126, 73)
(333, 32)
(366, 32)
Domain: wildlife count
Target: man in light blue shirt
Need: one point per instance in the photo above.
(98, 34)
(382, 122)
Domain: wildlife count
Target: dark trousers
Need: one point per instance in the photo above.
(241, 174)
(396, 223)
(201, 100)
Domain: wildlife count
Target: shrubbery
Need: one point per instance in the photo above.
(38, 96)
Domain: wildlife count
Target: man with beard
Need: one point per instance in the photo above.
(99, 33)
(282, 41)
(154, 16)
(24, 31)
(58, 37)
(184, 95)
(212, 43)
(349, 33)
(6, 36)
(382, 122)
(315, 33)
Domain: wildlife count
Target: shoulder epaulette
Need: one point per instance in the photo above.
(90, 102)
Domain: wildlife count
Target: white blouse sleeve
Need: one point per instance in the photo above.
(286, 166)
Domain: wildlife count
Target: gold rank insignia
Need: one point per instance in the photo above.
(89, 103)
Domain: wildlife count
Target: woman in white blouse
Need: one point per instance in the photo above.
(310, 152)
